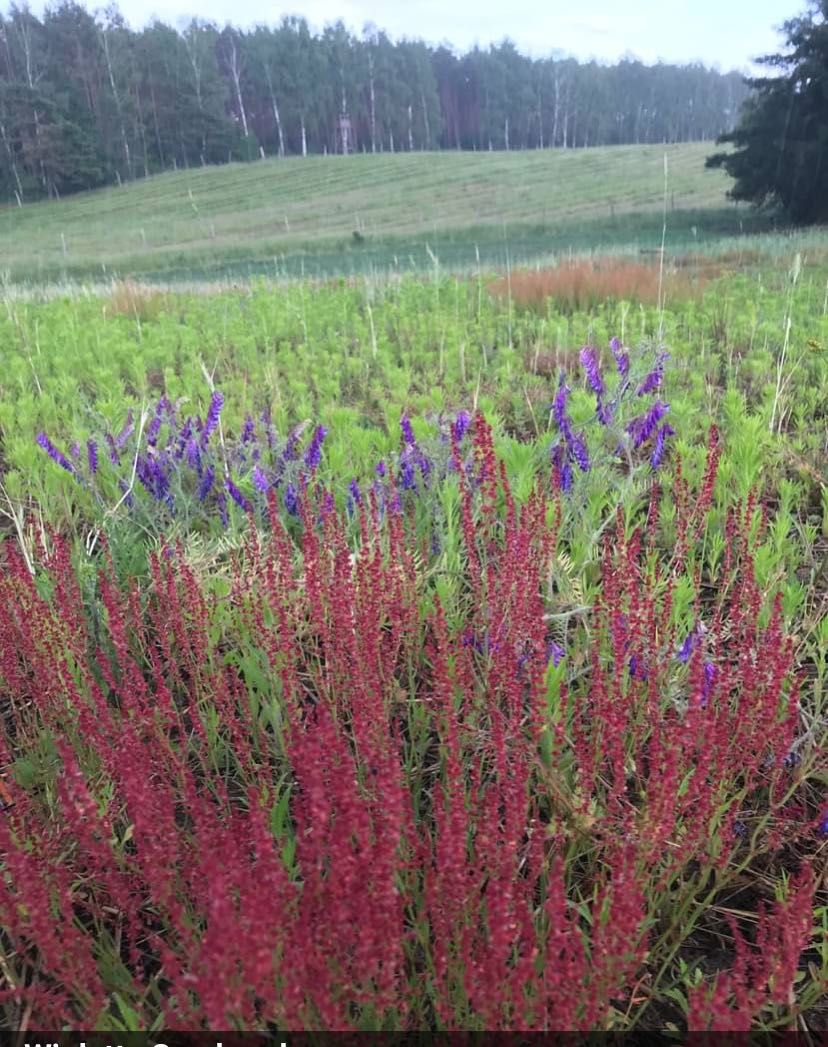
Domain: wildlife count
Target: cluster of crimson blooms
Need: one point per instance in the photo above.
(316, 804)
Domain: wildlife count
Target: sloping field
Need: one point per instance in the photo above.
(317, 204)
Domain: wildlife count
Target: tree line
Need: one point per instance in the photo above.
(86, 100)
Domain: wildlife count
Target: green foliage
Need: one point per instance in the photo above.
(318, 355)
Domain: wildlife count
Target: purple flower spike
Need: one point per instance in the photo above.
(580, 453)
(313, 455)
(407, 479)
(153, 429)
(604, 412)
(709, 681)
(213, 415)
(92, 456)
(126, 432)
(293, 443)
(193, 457)
(687, 647)
(221, 498)
(237, 496)
(153, 477)
(622, 359)
(259, 480)
(559, 406)
(328, 506)
(292, 500)
(462, 424)
(114, 457)
(206, 483)
(407, 431)
(183, 437)
(653, 380)
(354, 492)
(249, 430)
(56, 455)
(554, 653)
(661, 438)
(642, 428)
(589, 362)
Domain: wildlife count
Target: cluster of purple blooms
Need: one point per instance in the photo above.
(692, 642)
(58, 456)
(412, 459)
(570, 447)
(419, 466)
(485, 645)
(639, 671)
(188, 463)
(416, 468)
(570, 450)
(176, 458)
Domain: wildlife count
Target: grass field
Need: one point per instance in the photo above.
(300, 215)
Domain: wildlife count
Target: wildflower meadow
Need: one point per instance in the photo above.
(434, 653)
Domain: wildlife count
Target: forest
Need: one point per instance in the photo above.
(87, 100)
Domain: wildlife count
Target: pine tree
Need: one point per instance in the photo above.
(781, 155)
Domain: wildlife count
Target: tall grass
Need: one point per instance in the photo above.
(135, 301)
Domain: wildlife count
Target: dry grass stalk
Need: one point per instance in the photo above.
(584, 284)
(137, 301)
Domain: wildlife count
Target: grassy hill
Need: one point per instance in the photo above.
(339, 214)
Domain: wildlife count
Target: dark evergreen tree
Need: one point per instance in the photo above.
(781, 154)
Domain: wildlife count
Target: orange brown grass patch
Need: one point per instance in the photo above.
(136, 301)
(583, 284)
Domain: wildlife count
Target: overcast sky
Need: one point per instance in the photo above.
(728, 33)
